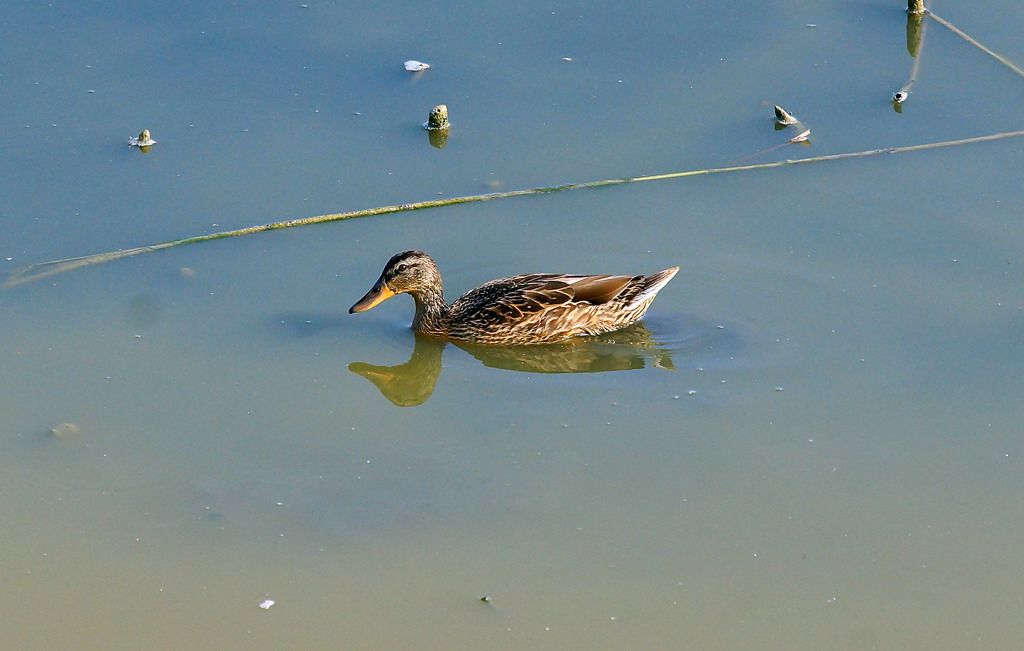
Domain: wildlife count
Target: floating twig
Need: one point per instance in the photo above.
(45, 269)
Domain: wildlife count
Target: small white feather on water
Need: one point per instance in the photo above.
(267, 603)
(416, 66)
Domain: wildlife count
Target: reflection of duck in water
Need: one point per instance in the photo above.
(412, 383)
(627, 349)
(526, 309)
(409, 384)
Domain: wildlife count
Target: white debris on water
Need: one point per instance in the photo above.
(801, 137)
(416, 66)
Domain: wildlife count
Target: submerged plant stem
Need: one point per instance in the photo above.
(967, 37)
(45, 269)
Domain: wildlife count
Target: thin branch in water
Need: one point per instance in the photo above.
(967, 37)
(46, 269)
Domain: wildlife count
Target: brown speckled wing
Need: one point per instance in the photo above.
(599, 289)
(541, 308)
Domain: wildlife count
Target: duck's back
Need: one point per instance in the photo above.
(545, 308)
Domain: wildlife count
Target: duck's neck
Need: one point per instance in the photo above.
(431, 312)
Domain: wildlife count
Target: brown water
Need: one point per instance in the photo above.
(813, 442)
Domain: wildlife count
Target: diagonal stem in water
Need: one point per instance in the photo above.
(967, 37)
(46, 269)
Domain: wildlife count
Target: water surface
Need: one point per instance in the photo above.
(815, 443)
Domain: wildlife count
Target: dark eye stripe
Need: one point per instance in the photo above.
(402, 262)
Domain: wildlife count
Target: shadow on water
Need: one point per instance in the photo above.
(633, 348)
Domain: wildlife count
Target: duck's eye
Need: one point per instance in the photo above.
(401, 268)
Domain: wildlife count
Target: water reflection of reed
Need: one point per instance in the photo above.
(413, 382)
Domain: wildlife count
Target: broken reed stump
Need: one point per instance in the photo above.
(782, 116)
(438, 118)
(915, 6)
(915, 32)
(437, 126)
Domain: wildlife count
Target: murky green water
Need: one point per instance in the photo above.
(813, 442)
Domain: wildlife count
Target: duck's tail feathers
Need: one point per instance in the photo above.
(652, 285)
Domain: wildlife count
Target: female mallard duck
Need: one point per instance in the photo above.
(527, 309)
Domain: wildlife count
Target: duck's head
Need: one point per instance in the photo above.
(409, 272)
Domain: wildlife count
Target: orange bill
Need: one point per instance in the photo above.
(379, 293)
